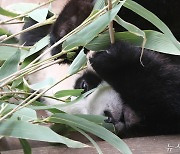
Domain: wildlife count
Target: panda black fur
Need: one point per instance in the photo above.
(151, 91)
(72, 16)
(140, 99)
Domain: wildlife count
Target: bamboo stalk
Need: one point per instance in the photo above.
(48, 21)
(24, 14)
(56, 44)
(111, 31)
(29, 100)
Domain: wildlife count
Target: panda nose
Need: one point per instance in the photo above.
(110, 118)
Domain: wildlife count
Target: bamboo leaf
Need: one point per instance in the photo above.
(92, 30)
(74, 92)
(39, 46)
(25, 130)
(7, 13)
(91, 127)
(39, 15)
(61, 106)
(4, 32)
(98, 119)
(154, 41)
(135, 7)
(90, 139)
(40, 85)
(7, 52)
(130, 27)
(99, 4)
(78, 62)
(24, 114)
(25, 145)
(10, 66)
(23, 7)
(17, 82)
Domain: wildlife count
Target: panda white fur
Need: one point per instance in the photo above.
(136, 99)
(95, 103)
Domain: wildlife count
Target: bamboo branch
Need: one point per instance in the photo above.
(26, 93)
(16, 46)
(48, 21)
(29, 100)
(26, 13)
(18, 106)
(56, 44)
(111, 31)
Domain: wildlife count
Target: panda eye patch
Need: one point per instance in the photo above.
(87, 81)
(84, 85)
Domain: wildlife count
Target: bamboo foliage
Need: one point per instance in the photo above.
(21, 116)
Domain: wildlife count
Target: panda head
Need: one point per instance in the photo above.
(104, 100)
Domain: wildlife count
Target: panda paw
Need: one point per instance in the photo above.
(97, 60)
(102, 62)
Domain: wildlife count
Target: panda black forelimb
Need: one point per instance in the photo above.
(151, 91)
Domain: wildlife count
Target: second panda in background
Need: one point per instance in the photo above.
(137, 99)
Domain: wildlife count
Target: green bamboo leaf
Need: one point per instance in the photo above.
(91, 127)
(159, 42)
(39, 15)
(41, 85)
(78, 62)
(7, 52)
(135, 7)
(17, 83)
(74, 92)
(26, 146)
(154, 41)
(99, 4)
(90, 139)
(61, 106)
(92, 30)
(10, 66)
(25, 130)
(98, 119)
(7, 13)
(39, 46)
(23, 7)
(130, 27)
(4, 32)
(7, 33)
(24, 114)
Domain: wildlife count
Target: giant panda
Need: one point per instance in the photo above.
(137, 99)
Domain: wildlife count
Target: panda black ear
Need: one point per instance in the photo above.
(29, 38)
(73, 14)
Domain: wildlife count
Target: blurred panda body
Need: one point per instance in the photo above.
(137, 99)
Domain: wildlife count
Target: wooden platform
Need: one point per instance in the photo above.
(142, 145)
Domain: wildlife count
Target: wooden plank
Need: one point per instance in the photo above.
(141, 145)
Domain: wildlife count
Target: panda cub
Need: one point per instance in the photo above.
(138, 99)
